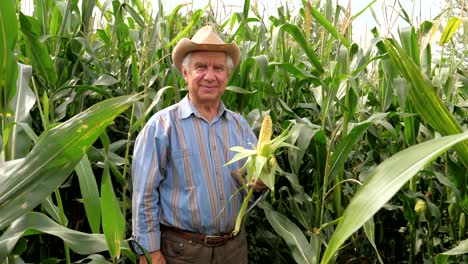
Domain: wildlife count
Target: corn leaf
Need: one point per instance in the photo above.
(383, 183)
(22, 103)
(410, 44)
(26, 183)
(241, 27)
(86, 13)
(105, 80)
(369, 229)
(113, 222)
(246, 8)
(53, 210)
(449, 30)
(41, 60)
(89, 193)
(8, 64)
(301, 136)
(242, 154)
(328, 26)
(194, 19)
(462, 248)
(346, 145)
(34, 223)
(134, 14)
(298, 36)
(424, 98)
(301, 251)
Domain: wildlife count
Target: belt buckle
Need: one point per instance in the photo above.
(206, 241)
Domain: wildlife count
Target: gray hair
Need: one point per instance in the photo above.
(188, 58)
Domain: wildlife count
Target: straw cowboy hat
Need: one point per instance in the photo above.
(205, 39)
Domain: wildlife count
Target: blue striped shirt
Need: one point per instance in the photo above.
(179, 173)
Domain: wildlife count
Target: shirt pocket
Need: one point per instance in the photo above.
(181, 154)
(182, 168)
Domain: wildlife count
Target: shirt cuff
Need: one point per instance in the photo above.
(150, 241)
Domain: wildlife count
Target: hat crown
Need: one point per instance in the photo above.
(205, 39)
(207, 35)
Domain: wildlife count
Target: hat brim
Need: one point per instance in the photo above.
(185, 46)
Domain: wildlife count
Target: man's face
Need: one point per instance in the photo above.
(206, 76)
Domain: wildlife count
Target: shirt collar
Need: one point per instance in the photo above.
(187, 108)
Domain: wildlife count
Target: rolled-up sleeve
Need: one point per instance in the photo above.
(149, 159)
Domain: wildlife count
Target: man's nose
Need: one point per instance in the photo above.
(209, 74)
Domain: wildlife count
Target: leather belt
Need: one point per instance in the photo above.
(207, 240)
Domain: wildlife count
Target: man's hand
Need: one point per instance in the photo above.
(257, 184)
(156, 257)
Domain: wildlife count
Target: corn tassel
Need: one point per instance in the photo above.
(264, 137)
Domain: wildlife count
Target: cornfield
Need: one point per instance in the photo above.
(378, 171)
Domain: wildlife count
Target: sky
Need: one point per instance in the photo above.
(418, 10)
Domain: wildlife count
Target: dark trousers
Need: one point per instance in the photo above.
(178, 250)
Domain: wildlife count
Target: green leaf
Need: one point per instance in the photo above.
(300, 249)
(22, 103)
(134, 14)
(113, 222)
(26, 183)
(369, 229)
(449, 30)
(268, 179)
(36, 223)
(242, 26)
(441, 259)
(295, 32)
(462, 248)
(194, 19)
(87, 8)
(294, 71)
(120, 29)
(301, 135)
(410, 43)
(83, 88)
(41, 60)
(348, 143)
(105, 80)
(52, 209)
(239, 90)
(8, 64)
(384, 182)
(94, 259)
(242, 154)
(328, 26)
(246, 8)
(424, 98)
(89, 193)
(156, 101)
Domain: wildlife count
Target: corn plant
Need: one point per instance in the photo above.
(377, 174)
(261, 162)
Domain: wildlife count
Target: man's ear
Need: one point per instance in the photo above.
(184, 73)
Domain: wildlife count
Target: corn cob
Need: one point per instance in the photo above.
(420, 206)
(265, 133)
(263, 140)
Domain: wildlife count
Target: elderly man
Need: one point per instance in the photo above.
(185, 200)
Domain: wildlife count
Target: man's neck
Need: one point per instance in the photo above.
(207, 110)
